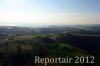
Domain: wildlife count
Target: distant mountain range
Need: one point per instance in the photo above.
(91, 29)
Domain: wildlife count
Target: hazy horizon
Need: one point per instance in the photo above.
(40, 26)
(49, 12)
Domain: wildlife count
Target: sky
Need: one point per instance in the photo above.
(49, 12)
